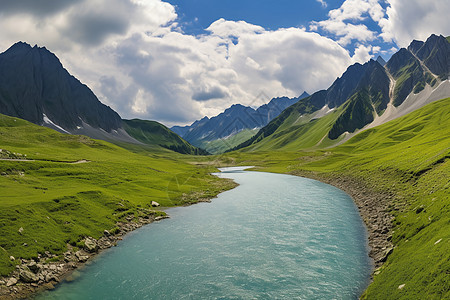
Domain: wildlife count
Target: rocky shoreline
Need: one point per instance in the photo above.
(47, 270)
(374, 210)
(34, 276)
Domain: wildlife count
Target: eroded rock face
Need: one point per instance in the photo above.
(34, 267)
(81, 256)
(27, 276)
(90, 244)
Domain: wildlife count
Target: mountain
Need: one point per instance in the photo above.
(363, 97)
(381, 61)
(34, 86)
(218, 133)
(154, 133)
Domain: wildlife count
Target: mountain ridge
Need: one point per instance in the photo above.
(35, 86)
(33, 83)
(363, 94)
(233, 120)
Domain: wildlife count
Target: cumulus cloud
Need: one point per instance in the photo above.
(209, 93)
(64, 25)
(40, 8)
(363, 54)
(415, 19)
(137, 60)
(340, 21)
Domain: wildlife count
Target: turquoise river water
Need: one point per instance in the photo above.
(273, 237)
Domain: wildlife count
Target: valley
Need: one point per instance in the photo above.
(70, 174)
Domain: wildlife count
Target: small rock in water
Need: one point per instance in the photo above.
(161, 218)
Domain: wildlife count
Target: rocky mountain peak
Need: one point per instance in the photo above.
(35, 86)
(434, 53)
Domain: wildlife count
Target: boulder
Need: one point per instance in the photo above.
(34, 267)
(51, 277)
(155, 204)
(81, 257)
(90, 244)
(27, 276)
(386, 254)
(12, 281)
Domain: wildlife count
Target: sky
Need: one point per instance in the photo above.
(176, 61)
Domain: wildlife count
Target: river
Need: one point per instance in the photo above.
(273, 237)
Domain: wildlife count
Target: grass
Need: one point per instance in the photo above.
(409, 157)
(224, 144)
(152, 133)
(56, 202)
(299, 132)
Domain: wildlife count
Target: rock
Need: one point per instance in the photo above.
(28, 276)
(12, 281)
(49, 286)
(386, 253)
(34, 267)
(155, 204)
(106, 232)
(90, 244)
(401, 286)
(20, 230)
(81, 257)
(161, 218)
(11, 258)
(51, 277)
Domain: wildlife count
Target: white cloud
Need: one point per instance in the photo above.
(362, 54)
(138, 61)
(226, 29)
(340, 21)
(323, 3)
(415, 19)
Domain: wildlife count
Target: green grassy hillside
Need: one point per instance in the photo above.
(298, 131)
(155, 134)
(60, 188)
(409, 158)
(224, 144)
